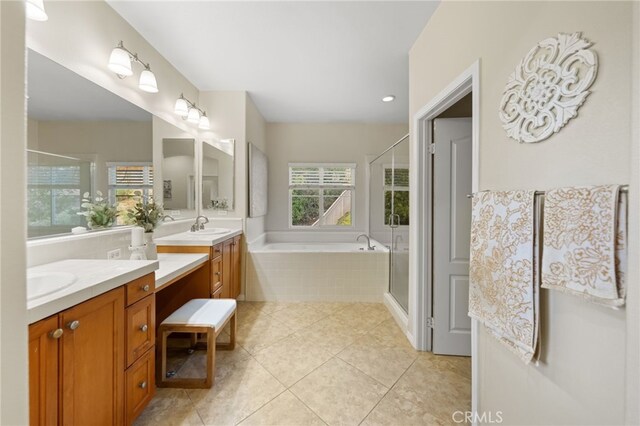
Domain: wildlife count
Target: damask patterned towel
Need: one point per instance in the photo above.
(584, 228)
(502, 293)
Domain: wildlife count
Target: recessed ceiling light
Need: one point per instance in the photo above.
(388, 98)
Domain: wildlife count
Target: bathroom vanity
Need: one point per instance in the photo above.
(225, 257)
(93, 361)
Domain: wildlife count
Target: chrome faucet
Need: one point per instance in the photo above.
(369, 247)
(199, 225)
(166, 216)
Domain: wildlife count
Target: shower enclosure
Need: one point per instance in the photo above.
(389, 213)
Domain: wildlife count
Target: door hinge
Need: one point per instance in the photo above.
(430, 322)
(432, 148)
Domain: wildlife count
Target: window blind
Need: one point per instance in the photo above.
(136, 175)
(316, 176)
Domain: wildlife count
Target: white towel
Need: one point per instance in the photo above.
(502, 293)
(584, 243)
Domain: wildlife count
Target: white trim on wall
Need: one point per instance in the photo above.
(420, 272)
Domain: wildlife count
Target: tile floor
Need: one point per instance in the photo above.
(315, 364)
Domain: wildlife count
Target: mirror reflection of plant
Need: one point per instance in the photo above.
(146, 214)
(220, 204)
(98, 212)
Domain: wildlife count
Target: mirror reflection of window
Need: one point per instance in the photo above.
(128, 184)
(55, 185)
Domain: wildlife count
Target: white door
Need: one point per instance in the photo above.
(451, 232)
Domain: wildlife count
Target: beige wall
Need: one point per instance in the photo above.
(13, 229)
(318, 143)
(583, 375)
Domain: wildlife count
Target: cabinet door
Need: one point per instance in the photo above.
(93, 353)
(44, 336)
(216, 275)
(141, 328)
(227, 268)
(237, 261)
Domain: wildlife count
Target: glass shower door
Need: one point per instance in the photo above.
(389, 215)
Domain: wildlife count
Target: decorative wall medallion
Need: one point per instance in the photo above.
(547, 87)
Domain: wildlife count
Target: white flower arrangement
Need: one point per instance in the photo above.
(99, 213)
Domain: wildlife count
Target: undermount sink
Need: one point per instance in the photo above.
(209, 231)
(43, 283)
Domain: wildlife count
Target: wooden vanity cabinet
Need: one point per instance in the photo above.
(78, 361)
(225, 260)
(43, 371)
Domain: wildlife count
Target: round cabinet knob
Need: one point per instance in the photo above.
(144, 327)
(145, 287)
(217, 274)
(56, 334)
(73, 325)
(142, 385)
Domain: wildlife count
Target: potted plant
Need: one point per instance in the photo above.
(98, 213)
(146, 214)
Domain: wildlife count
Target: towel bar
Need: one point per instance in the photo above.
(623, 188)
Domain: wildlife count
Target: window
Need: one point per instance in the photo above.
(321, 195)
(53, 195)
(127, 183)
(396, 194)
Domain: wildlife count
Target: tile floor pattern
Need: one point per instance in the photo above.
(315, 364)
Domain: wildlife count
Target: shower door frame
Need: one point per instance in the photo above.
(421, 217)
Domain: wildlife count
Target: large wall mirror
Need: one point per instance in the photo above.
(179, 176)
(218, 173)
(83, 143)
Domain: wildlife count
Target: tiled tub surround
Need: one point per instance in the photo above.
(318, 272)
(316, 364)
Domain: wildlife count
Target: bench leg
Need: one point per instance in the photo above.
(232, 339)
(163, 357)
(211, 358)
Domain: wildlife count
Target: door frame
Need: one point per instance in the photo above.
(421, 272)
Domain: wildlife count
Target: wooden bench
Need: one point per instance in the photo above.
(206, 316)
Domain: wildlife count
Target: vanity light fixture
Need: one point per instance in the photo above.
(120, 63)
(388, 98)
(190, 112)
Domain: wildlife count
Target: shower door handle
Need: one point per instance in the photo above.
(391, 222)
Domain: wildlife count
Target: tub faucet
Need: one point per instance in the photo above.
(369, 247)
(199, 225)
(166, 216)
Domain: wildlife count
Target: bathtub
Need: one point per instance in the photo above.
(337, 271)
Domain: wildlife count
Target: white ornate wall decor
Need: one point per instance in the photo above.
(547, 87)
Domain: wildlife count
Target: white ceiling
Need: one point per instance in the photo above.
(300, 61)
(56, 93)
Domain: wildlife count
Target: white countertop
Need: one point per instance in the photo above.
(93, 277)
(198, 238)
(173, 265)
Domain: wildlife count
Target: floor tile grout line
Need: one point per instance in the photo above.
(310, 409)
(387, 392)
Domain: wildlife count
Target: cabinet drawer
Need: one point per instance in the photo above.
(217, 294)
(142, 287)
(141, 328)
(216, 274)
(216, 251)
(140, 385)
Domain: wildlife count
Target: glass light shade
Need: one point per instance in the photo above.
(204, 123)
(148, 82)
(193, 116)
(35, 10)
(181, 108)
(120, 62)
